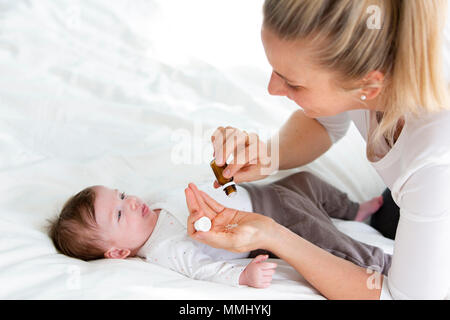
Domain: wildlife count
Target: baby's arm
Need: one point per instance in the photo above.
(257, 274)
(191, 259)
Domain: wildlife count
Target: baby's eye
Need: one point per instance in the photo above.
(122, 195)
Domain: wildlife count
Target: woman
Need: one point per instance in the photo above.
(340, 63)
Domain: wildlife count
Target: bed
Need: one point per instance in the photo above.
(116, 93)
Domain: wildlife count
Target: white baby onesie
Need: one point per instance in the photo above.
(171, 247)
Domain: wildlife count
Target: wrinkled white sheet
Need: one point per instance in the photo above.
(100, 92)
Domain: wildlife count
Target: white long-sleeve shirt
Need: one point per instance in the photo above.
(417, 171)
(171, 247)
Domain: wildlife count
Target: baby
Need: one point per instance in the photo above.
(100, 222)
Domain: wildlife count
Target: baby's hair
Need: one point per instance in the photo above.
(75, 232)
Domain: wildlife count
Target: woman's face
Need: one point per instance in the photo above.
(299, 79)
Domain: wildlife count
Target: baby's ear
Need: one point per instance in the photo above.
(115, 253)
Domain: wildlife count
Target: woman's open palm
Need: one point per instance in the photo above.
(231, 229)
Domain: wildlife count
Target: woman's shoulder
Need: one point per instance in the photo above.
(426, 141)
(425, 158)
(426, 194)
(435, 119)
(429, 130)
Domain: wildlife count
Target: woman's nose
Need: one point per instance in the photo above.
(277, 86)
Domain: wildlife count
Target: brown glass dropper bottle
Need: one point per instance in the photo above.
(228, 186)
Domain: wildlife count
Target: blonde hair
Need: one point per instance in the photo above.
(406, 47)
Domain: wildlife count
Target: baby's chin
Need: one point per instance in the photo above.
(152, 218)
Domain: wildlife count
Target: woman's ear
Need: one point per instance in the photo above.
(372, 85)
(115, 253)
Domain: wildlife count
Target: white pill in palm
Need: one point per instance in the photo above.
(203, 224)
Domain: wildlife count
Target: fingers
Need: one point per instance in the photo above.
(260, 273)
(205, 199)
(218, 139)
(246, 174)
(260, 258)
(243, 158)
(269, 265)
(192, 203)
(202, 205)
(236, 143)
(268, 272)
(213, 204)
(216, 184)
(194, 211)
(199, 204)
(225, 141)
(266, 266)
(265, 279)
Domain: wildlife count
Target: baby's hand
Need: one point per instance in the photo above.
(258, 274)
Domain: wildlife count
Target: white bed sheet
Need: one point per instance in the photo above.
(99, 92)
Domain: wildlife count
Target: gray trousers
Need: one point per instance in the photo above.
(304, 204)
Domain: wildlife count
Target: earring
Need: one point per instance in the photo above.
(363, 98)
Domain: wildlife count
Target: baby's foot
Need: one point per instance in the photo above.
(368, 208)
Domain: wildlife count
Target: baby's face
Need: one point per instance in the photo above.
(124, 220)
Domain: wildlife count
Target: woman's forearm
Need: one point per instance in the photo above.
(301, 141)
(333, 277)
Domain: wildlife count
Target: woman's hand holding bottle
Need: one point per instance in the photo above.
(252, 158)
